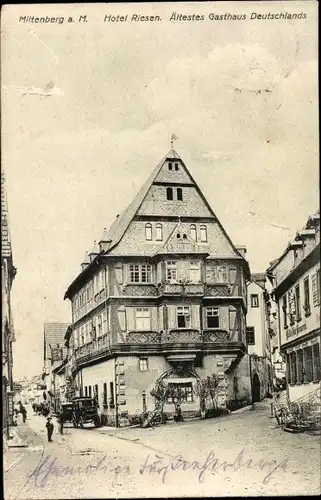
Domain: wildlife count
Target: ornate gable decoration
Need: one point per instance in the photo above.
(180, 242)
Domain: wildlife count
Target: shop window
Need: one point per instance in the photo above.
(142, 319)
(212, 317)
(169, 193)
(148, 231)
(96, 393)
(183, 317)
(143, 364)
(180, 393)
(86, 390)
(250, 335)
(254, 300)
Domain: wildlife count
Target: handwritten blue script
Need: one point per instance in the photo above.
(50, 466)
(211, 464)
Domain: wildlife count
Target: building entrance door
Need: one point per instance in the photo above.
(256, 389)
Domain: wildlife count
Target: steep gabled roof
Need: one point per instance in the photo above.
(121, 223)
(54, 333)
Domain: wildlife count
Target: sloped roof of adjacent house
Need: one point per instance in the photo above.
(313, 220)
(54, 335)
(144, 205)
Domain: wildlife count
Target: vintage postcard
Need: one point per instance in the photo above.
(160, 254)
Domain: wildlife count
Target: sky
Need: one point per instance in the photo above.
(241, 96)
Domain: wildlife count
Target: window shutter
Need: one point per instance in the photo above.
(122, 319)
(232, 319)
(172, 320)
(232, 275)
(314, 289)
(119, 273)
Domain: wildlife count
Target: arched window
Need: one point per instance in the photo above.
(148, 231)
(179, 194)
(203, 232)
(159, 232)
(169, 193)
(193, 232)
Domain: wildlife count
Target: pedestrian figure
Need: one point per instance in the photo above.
(50, 428)
(23, 412)
(61, 421)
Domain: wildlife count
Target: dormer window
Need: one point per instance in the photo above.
(169, 193)
(180, 194)
(176, 166)
(159, 232)
(170, 166)
(203, 233)
(148, 231)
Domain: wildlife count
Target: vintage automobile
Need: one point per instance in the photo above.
(67, 411)
(84, 410)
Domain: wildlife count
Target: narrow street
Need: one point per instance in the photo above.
(132, 462)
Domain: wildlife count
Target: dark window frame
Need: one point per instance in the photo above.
(169, 193)
(250, 335)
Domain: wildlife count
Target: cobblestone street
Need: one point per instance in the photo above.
(117, 456)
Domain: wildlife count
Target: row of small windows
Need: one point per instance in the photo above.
(159, 232)
(170, 194)
(172, 166)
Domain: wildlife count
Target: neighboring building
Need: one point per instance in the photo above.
(296, 280)
(8, 272)
(258, 337)
(162, 295)
(55, 352)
